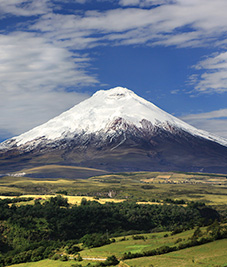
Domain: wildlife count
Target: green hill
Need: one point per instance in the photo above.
(207, 255)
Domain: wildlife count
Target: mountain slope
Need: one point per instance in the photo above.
(117, 130)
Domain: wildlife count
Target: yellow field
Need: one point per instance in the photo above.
(77, 199)
(150, 203)
(71, 199)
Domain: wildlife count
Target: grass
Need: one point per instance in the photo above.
(210, 254)
(207, 255)
(152, 241)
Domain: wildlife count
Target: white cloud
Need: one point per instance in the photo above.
(22, 112)
(34, 76)
(213, 122)
(129, 2)
(183, 23)
(144, 3)
(31, 63)
(214, 79)
(221, 113)
(24, 7)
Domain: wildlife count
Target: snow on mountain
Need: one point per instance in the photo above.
(97, 113)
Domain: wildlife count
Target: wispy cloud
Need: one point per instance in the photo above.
(214, 121)
(186, 23)
(34, 78)
(214, 79)
(144, 3)
(222, 113)
(32, 63)
(179, 23)
(24, 7)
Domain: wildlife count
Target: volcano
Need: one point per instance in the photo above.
(116, 130)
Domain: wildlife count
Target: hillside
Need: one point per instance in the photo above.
(210, 254)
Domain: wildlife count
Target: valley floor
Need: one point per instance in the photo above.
(210, 189)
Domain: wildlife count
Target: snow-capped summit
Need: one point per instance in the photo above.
(118, 130)
(99, 111)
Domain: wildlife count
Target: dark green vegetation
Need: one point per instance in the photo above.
(35, 232)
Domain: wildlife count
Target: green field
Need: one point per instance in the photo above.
(152, 241)
(140, 186)
(207, 255)
(210, 254)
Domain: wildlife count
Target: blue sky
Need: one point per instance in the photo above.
(54, 54)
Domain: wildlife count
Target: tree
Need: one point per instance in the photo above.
(111, 260)
(94, 240)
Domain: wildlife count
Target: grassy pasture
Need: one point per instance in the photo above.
(139, 186)
(207, 255)
(152, 241)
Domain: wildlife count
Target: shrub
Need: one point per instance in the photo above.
(72, 250)
(64, 258)
(95, 240)
(178, 240)
(56, 257)
(177, 230)
(112, 260)
(79, 258)
(137, 237)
